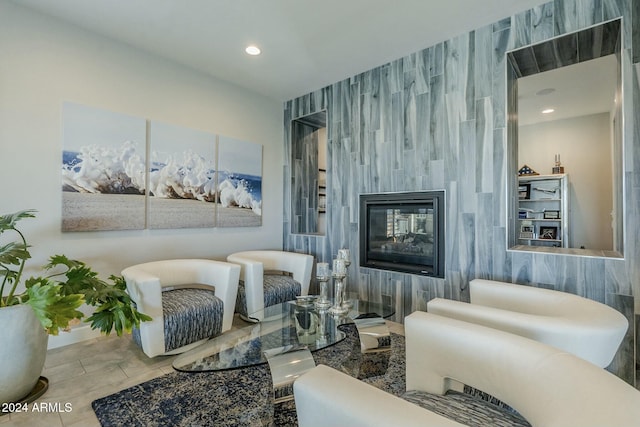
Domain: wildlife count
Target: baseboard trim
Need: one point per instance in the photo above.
(76, 335)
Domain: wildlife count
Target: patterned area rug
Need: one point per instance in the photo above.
(242, 397)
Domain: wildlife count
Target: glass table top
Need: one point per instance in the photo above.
(285, 326)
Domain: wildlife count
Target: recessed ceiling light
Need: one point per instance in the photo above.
(548, 111)
(252, 50)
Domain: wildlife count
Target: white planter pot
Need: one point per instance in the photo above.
(23, 350)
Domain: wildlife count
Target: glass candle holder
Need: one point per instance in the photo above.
(339, 273)
(344, 255)
(338, 308)
(306, 323)
(323, 319)
(323, 275)
(339, 268)
(322, 270)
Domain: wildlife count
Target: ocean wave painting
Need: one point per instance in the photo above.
(244, 191)
(104, 168)
(239, 181)
(182, 182)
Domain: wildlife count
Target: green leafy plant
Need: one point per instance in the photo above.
(56, 296)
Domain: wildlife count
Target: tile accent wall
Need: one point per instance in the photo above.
(436, 120)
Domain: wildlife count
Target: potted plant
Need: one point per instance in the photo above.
(47, 304)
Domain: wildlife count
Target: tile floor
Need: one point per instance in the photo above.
(80, 373)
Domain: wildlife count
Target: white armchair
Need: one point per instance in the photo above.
(189, 301)
(547, 386)
(584, 327)
(262, 282)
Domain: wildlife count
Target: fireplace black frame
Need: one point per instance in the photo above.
(426, 267)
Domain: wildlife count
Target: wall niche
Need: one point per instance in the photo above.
(309, 174)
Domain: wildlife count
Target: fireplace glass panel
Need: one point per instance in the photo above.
(403, 232)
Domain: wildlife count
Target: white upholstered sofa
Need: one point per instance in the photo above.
(581, 326)
(547, 386)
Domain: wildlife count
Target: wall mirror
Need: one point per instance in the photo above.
(309, 174)
(565, 143)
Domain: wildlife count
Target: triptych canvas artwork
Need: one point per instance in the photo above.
(125, 173)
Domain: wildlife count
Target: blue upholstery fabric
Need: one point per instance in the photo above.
(470, 410)
(190, 315)
(278, 288)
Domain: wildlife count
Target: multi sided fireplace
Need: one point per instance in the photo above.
(403, 232)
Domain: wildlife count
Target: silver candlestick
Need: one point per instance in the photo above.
(343, 254)
(339, 273)
(323, 275)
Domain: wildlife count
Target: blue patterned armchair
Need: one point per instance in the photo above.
(268, 278)
(189, 300)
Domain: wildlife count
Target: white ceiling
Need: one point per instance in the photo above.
(306, 45)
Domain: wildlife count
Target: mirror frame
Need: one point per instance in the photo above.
(557, 52)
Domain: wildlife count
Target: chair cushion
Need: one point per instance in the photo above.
(278, 288)
(190, 315)
(467, 409)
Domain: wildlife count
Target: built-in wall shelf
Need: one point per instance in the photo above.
(543, 210)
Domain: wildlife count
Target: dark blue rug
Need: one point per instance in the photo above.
(243, 397)
(239, 397)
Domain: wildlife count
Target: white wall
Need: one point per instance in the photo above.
(584, 145)
(44, 62)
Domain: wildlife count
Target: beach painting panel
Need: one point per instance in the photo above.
(181, 177)
(103, 169)
(239, 183)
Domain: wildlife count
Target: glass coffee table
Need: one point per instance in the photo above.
(286, 327)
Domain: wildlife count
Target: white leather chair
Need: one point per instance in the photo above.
(262, 282)
(584, 327)
(189, 301)
(547, 386)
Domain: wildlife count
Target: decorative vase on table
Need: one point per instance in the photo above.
(306, 322)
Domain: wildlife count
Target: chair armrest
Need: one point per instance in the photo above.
(300, 265)
(146, 291)
(326, 397)
(582, 326)
(550, 330)
(252, 273)
(514, 297)
(224, 277)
